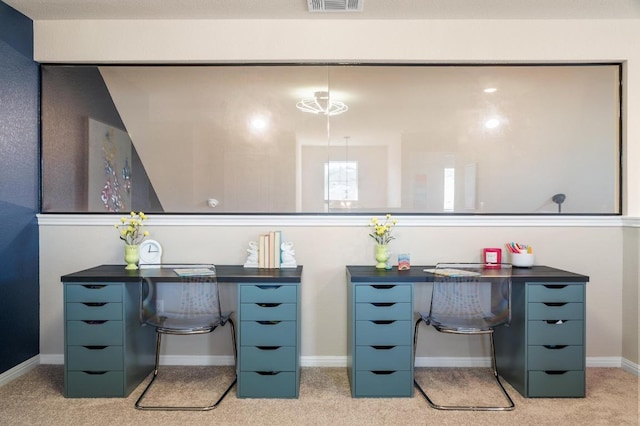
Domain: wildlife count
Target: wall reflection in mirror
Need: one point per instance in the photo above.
(415, 139)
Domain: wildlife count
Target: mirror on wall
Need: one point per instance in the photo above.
(270, 139)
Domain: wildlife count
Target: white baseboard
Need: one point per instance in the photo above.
(630, 367)
(305, 361)
(604, 361)
(453, 362)
(315, 361)
(341, 361)
(323, 361)
(196, 360)
(52, 359)
(19, 370)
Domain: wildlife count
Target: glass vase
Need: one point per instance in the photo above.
(131, 256)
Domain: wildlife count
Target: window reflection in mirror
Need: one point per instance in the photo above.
(416, 139)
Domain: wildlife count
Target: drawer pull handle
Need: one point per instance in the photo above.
(95, 348)
(268, 287)
(382, 305)
(383, 322)
(554, 304)
(555, 346)
(93, 286)
(382, 347)
(383, 372)
(94, 322)
(95, 373)
(557, 322)
(554, 373)
(94, 304)
(268, 348)
(268, 322)
(555, 286)
(268, 305)
(268, 373)
(383, 286)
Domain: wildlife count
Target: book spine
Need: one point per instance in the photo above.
(276, 248)
(272, 251)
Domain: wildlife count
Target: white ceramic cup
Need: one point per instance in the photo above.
(522, 260)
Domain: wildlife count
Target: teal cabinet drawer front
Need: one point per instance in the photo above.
(268, 311)
(94, 358)
(555, 292)
(552, 333)
(384, 311)
(268, 358)
(94, 311)
(383, 333)
(383, 384)
(569, 384)
(558, 358)
(268, 293)
(107, 333)
(383, 358)
(93, 293)
(555, 311)
(276, 333)
(267, 385)
(383, 293)
(81, 384)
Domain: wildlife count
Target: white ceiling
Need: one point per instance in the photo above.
(297, 9)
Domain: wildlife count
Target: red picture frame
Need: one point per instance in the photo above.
(492, 257)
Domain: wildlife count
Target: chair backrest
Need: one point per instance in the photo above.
(179, 291)
(471, 291)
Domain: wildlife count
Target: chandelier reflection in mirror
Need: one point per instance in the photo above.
(321, 104)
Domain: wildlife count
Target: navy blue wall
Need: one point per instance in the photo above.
(19, 194)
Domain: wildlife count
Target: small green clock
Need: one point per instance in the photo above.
(150, 252)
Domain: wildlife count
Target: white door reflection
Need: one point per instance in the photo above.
(341, 184)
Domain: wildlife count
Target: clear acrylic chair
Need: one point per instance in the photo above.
(469, 299)
(185, 303)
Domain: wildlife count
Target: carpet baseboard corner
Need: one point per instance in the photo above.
(19, 370)
(631, 367)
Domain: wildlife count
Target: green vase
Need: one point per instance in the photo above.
(382, 255)
(131, 256)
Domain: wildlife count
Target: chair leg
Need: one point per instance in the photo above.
(415, 380)
(155, 373)
(432, 404)
(233, 341)
(511, 405)
(139, 405)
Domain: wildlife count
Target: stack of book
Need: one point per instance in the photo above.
(269, 250)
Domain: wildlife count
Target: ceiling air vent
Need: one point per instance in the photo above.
(335, 5)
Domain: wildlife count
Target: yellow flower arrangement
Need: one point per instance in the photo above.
(131, 228)
(382, 230)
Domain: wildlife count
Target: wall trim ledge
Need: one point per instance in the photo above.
(51, 219)
(631, 222)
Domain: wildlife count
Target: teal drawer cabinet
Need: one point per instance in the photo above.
(107, 352)
(379, 339)
(269, 340)
(542, 352)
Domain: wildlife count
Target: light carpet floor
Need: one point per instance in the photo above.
(36, 398)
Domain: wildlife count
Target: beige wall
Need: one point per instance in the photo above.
(594, 249)
(325, 250)
(631, 295)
